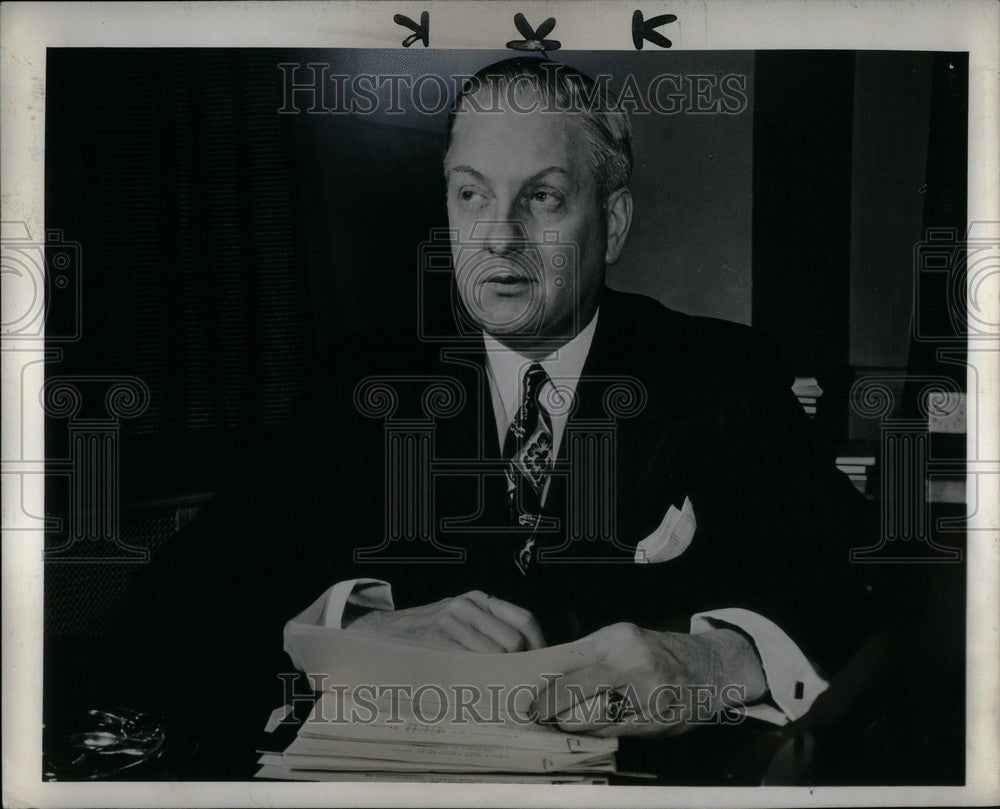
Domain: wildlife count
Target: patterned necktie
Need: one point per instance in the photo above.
(528, 452)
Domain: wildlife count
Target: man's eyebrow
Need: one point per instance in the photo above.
(536, 176)
(466, 170)
(550, 170)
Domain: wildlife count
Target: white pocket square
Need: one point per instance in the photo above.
(671, 539)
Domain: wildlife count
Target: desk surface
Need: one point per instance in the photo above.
(909, 730)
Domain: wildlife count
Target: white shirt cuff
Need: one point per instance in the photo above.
(791, 679)
(372, 594)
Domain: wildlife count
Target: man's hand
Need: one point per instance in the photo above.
(473, 622)
(670, 681)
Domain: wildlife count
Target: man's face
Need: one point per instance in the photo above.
(531, 234)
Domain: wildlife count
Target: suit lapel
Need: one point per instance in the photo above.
(654, 440)
(631, 401)
(472, 499)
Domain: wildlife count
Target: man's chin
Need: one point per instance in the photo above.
(510, 332)
(516, 320)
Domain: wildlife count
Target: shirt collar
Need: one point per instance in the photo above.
(564, 365)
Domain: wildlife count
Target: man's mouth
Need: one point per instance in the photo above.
(505, 278)
(508, 284)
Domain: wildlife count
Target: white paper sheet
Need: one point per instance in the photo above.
(283, 774)
(349, 658)
(492, 757)
(491, 760)
(328, 721)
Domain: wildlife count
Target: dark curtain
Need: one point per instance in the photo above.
(225, 249)
(803, 118)
(172, 171)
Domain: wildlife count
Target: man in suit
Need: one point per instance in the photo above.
(749, 568)
(602, 467)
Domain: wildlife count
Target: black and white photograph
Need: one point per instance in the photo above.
(541, 403)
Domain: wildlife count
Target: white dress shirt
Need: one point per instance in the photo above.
(792, 681)
(506, 370)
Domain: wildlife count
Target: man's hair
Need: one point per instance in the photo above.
(562, 90)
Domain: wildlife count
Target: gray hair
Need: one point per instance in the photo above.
(561, 89)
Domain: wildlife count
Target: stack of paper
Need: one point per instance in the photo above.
(389, 709)
(808, 391)
(388, 739)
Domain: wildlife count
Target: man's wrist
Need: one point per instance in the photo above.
(736, 662)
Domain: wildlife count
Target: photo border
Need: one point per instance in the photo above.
(28, 29)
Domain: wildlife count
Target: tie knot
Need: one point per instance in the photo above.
(534, 378)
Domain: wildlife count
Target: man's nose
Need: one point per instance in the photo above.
(501, 236)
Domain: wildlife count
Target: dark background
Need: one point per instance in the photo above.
(225, 246)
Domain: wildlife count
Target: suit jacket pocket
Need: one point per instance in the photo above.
(671, 538)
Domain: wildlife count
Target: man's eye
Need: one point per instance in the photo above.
(470, 197)
(545, 200)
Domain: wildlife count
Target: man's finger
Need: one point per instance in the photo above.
(594, 716)
(519, 620)
(630, 725)
(575, 687)
(655, 725)
(472, 639)
(484, 621)
(517, 617)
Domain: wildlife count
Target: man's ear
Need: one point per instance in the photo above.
(618, 216)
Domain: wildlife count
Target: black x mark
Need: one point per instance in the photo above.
(534, 40)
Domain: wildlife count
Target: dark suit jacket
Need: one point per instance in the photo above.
(681, 407)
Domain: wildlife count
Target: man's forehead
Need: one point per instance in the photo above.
(515, 142)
